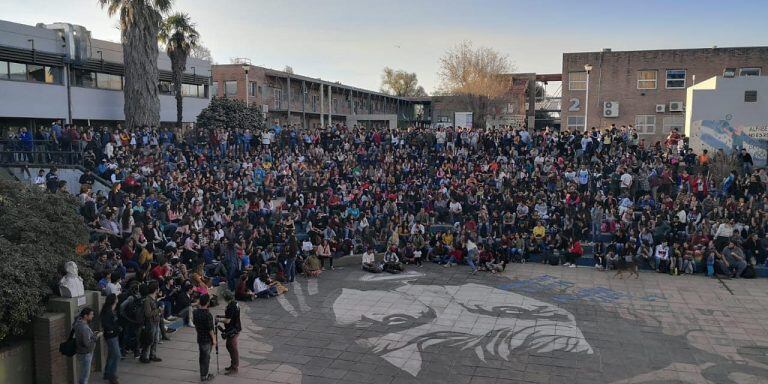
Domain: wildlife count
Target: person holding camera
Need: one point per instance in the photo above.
(85, 341)
(230, 331)
(206, 336)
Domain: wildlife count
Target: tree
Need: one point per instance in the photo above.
(288, 69)
(201, 52)
(40, 232)
(140, 22)
(179, 36)
(225, 113)
(478, 76)
(401, 83)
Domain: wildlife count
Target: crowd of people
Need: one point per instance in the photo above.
(190, 210)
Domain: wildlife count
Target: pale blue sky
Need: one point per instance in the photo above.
(351, 41)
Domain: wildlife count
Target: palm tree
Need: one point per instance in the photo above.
(140, 22)
(179, 36)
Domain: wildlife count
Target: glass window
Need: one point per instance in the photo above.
(750, 96)
(278, 96)
(645, 124)
(673, 121)
(576, 122)
(749, 71)
(3, 69)
(108, 81)
(36, 73)
(85, 78)
(252, 89)
(646, 79)
(215, 89)
(577, 81)
(17, 71)
(165, 88)
(230, 88)
(315, 102)
(53, 75)
(189, 90)
(675, 78)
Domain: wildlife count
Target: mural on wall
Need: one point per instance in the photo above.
(726, 134)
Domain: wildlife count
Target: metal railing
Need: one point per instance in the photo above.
(14, 152)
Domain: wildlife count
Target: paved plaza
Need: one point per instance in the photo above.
(533, 324)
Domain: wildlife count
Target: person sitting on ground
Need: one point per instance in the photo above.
(312, 266)
(574, 254)
(392, 262)
(264, 287)
(242, 291)
(369, 261)
(736, 261)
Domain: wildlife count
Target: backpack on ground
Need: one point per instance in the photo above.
(749, 272)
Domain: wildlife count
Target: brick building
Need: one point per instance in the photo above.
(646, 89)
(296, 99)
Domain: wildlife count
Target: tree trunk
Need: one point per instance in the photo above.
(142, 102)
(178, 65)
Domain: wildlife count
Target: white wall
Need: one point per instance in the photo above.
(717, 116)
(33, 100)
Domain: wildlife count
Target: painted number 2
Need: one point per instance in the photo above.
(575, 105)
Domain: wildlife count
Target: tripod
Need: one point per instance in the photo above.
(216, 336)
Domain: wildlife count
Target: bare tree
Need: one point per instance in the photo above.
(477, 75)
(201, 52)
(288, 69)
(401, 83)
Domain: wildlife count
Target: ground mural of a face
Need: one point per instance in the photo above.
(486, 320)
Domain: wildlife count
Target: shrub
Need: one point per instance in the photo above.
(39, 231)
(227, 113)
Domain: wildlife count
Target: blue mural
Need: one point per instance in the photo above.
(716, 134)
(563, 291)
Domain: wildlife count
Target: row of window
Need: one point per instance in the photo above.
(187, 90)
(648, 79)
(644, 124)
(30, 72)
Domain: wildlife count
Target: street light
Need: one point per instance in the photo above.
(588, 68)
(245, 68)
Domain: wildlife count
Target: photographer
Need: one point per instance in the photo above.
(206, 337)
(230, 331)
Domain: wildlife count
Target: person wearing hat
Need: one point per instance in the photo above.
(232, 328)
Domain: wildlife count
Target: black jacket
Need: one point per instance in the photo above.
(109, 323)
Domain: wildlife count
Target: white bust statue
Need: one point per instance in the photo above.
(71, 285)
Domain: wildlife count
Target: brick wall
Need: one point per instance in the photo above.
(614, 78)
(50, 330)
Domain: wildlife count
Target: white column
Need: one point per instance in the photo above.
(322, 115)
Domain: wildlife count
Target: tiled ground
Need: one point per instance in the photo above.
(534, 324)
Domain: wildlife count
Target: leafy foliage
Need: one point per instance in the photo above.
(401, 83)
(39, 233)
(224, 113)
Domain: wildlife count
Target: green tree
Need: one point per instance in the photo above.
(225, 113)
(179, 36)
(401, 83)
(140, 22)
(40, 232)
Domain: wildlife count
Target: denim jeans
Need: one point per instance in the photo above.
(150, 351)
(290, 269)
(205, 358)
(84, 367)
(113, 356)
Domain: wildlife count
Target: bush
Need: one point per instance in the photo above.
(39, 232)
(227, 113)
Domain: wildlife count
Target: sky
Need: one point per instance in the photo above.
(352, 41)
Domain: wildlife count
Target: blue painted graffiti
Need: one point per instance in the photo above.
(565, 292)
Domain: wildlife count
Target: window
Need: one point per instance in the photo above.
(85, 78)
(278, 96)
(576, 122)
(109, 81)
(749, 71)
(3, 69)
(190, 90)
(335, 105)
(646, 79)
(675, 78)
(36, 73)
(750, 96)
(671, 122)
(577, 81)
(315, 102)
(17, 71)
(729, 72)
(252, 89)
(230, 88)
(215, 89)
(165, 88)
(645, 124)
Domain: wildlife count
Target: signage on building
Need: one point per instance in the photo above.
(757, 132)
(463, 119)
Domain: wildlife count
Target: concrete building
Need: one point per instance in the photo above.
(296, 99)
(729, 113)
(646, 89)
(58, 72)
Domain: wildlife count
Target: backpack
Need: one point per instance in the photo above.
(69, 347)
(749, 272)
(132, 309)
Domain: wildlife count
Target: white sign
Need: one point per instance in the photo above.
(462, 119)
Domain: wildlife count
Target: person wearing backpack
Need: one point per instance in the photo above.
(85, 341)
(152, 316)
(111, 335)
(131, 317)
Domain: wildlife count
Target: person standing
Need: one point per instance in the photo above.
(111, 333)
(232, 328)
(152, 317)
(85, 340)
(206, 337)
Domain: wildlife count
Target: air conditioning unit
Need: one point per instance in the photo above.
(611, 109)
(676, 106)
(264, 110)
(661, 108)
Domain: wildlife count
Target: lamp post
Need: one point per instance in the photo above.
(588, 68)
(245, 68)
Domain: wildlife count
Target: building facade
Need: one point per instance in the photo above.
(58, 72)
(729, 114)
(645, 89)
(300, 100)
